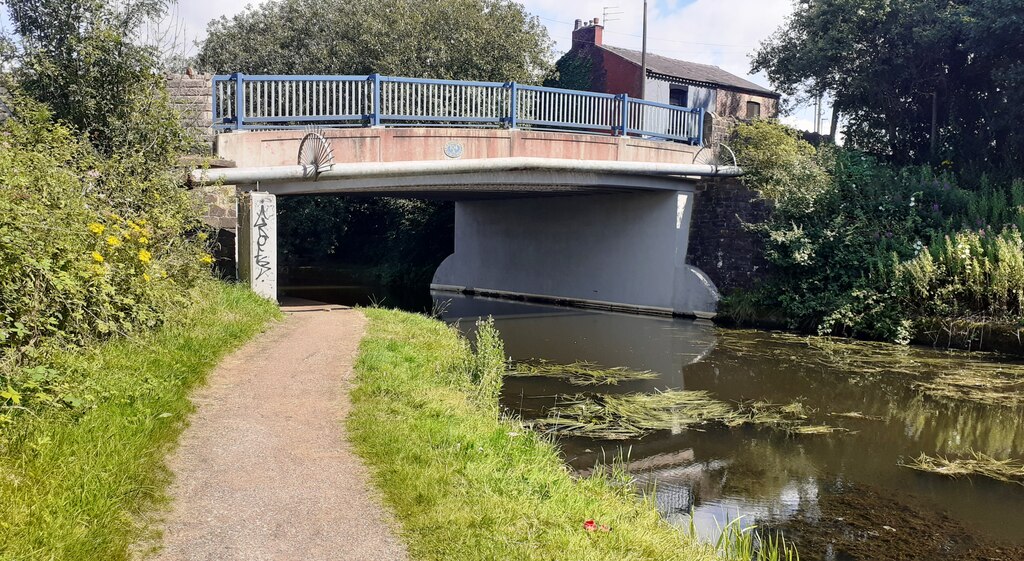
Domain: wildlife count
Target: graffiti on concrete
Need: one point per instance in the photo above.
(262, 258)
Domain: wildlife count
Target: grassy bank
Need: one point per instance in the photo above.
(74, 483)
(466, 485)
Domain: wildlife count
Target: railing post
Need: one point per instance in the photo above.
(624, 130)
(700, 127)
(513, 93)
(375, 110)
(213, 102)
(239, 79)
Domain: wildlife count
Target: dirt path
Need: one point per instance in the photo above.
(263, 471)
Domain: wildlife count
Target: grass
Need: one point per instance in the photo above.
(467, 485)
(75, 485)
(1007, 471)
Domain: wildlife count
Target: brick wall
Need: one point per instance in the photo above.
(191, 95)
(731, 256)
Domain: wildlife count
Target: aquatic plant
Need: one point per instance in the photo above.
(1007, 470)
(579, 373)
(620, 417)
(737, 542)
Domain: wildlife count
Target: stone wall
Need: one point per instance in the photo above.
(720, 245)
(191, 95)
(221, 202)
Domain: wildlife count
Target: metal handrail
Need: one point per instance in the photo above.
(258, 102)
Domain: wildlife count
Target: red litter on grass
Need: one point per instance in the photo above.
(592, 526)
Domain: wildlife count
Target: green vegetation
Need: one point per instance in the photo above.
(628, 416)
(76, 481)
(468, 485)
(898, 70)
(579, 373)
(859, 248)
(1007, 470)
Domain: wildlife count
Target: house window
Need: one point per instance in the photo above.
(753, 110)
(677, 95)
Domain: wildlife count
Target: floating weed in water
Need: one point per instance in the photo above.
(1008, 470)
(981, 378)
(857, 415)
(979, 387)
(579, 373)
(620, 417)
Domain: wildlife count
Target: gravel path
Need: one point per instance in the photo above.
(263, 471)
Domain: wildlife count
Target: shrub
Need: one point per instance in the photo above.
(863, 249)
(89, 247)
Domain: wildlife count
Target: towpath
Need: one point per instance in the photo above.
(263, 471)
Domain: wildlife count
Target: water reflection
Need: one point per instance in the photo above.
(839, 496)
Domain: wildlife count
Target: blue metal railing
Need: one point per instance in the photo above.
(260, 102)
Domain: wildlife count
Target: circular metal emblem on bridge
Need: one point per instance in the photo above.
(453, 150)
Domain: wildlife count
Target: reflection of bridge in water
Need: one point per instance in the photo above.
(574, 197)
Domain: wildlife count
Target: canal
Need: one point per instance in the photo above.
(841, 496)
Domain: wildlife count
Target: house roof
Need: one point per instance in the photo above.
(690, 71)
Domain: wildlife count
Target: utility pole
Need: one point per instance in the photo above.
(643, 59)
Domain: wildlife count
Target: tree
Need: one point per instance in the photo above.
(446, 39)
(82, 58)
(490, 40)
(918, 80)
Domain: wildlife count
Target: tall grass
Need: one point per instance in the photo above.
(75, 484)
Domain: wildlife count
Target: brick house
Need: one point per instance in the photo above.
(593, 66)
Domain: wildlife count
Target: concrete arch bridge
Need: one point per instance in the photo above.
(564, 196)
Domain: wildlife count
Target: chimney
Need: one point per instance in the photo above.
(590, 32)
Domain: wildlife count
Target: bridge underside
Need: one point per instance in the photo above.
(575, 219)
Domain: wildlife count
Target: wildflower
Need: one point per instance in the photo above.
(145, 256)
(97, 228)
(202, 236)
(113, 241)
(913, 202)
(134, 226)
(97, 257)
(143, 240)
(206, 258)
(92, 173)
(146, 277)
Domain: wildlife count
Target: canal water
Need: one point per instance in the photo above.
(838, 497)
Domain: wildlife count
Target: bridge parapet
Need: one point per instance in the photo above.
(261, 102)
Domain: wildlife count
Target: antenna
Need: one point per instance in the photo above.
(609, 11)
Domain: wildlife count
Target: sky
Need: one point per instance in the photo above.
(719, 32)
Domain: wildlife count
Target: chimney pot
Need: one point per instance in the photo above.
(597, 21)
(579, 24)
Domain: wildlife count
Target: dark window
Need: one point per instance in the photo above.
(677, 95)
(753, 109)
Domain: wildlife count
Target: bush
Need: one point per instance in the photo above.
(89, 246)
(863, 249)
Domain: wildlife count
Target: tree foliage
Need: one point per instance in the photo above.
(82, 58)
(445, 39)
(886, 62)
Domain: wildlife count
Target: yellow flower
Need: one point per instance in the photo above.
(143, 240)
(97, 257)
(206, 258)
(145, 277)
(163, 275)
(113, 241)
(145, 256)
(97, 228)
(202, 236)
(134, 226)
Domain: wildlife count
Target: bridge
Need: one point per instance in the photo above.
(566, 196)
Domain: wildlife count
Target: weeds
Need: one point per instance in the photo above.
(579, 373)
(1008, 470)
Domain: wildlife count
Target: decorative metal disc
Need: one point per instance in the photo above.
(720, 155)
(315, 153)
